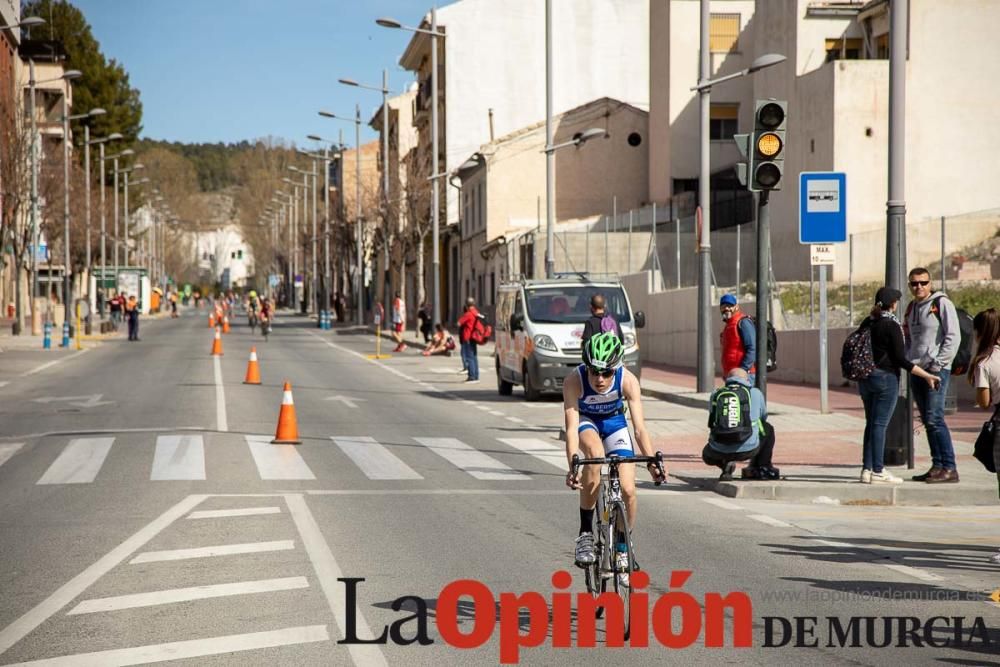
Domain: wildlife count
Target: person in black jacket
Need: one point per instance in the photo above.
(880, 389)
(598, 312)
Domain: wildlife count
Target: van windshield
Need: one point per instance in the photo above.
(570, 304)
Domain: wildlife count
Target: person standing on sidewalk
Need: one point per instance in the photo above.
(398, 322)
(739, 339)
(424, 318)
(132, 311)
(932, 335)
(984, 375)
(880, 390)
(599, 321)
(467, 323)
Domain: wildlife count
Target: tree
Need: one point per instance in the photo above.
(104, 83)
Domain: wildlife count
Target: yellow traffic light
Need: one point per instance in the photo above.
(769, 144)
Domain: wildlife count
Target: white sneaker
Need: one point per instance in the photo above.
(885, 477)
(866, 476)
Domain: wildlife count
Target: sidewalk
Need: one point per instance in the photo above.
(820, 455)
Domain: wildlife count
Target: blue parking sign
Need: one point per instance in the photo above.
(822, 207)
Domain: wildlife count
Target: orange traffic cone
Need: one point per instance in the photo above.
(217, 344)
(288, 429)
(225, 324)
(211, 320)
(253, 370)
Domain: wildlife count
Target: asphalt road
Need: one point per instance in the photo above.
(145, 517)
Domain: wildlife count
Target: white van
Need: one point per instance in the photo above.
(539, 327)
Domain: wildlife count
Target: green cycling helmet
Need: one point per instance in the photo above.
(604, 351)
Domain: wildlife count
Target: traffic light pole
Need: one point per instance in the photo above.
(763, 287)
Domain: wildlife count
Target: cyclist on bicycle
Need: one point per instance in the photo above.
(594, 403)
(265, 311)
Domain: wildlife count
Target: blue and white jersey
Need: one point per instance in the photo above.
(594, 404)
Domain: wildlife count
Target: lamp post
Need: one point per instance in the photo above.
(67, 277)
(115, 172)
(100, 144)
(357, 196)
(435, 207)
(314, 244)
(706, 364)
(125, 240)
(327, 277)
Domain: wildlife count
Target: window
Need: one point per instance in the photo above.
(723, 121)
(843, 49)
(724, 33)
(882, 47)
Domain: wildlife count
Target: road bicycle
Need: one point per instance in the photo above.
(252, 318)
(612, 534)
(265, 327)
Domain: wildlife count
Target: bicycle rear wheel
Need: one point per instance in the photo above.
(622, 578)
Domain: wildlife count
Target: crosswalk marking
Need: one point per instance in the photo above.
(470, 460)
(208, 552)
(374, 459)
(241, 511)
(173, 595)
(8, 449)
(190, 648)
(179, 457)
(79, 463)
(541, 450)
(277, 461)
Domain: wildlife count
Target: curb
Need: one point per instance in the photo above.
(847, 493)
(692, 400)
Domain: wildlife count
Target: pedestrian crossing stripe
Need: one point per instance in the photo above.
(181, 457)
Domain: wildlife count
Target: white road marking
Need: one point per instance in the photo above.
(4, 383)
(771, 521)
(484, 408)
(178, 457)
(349, 401)
(469, 459)
(496, 413)
(191, 648)
(516, 420)
(724, 504)
(220, 397)
(328, 571)
(923, 575)
(8, 450)
(208, 552)
(88, 401)
(660, 493)
(50, 364)
(174, 595)
(277, 461)
(244, 511)
(830, 543)
(541, 450)
(374, 459)
(79, 463)
(72, 589)
(444, 371)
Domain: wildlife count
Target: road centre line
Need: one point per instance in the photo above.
(69, 591)
(242, 511)
(220, 397)
(174, 595)
(50, 364)
(724, 504)
(191, 648)
(208, 552)
(771, 521)
(328, 572)
(923, 575)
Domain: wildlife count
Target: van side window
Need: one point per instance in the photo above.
(519, 306)
(505, 301)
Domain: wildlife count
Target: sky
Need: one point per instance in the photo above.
(229, 70)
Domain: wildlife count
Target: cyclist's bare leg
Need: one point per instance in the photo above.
(626, 474)
(590, 476)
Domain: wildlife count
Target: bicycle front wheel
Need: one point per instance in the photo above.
(596, 583)
(623, 560)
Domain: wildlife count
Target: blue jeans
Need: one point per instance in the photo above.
(879, 392)
(470, 360)
(930, 403)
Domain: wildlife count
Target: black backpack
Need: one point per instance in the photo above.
(857, 360)
(772, 344)
(963, 357)
(729, 419)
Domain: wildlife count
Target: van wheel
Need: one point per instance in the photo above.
(504, 388)
(531, 392)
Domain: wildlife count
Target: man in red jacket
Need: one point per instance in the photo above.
(467, 323)
(739, 339)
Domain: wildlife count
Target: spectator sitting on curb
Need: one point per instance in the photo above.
(441, 343)
(738, 430)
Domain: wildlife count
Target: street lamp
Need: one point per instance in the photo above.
(125, 242)
(339, 149)
(115, 172)
(294, 228)
(706, 364)
(357, 185)
(435, 207)
(87, 142)
(67, 280)
(306, 175)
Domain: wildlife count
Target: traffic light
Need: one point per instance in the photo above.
(767, 151)
(743, 168)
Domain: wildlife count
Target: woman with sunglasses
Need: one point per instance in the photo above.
(594, 400)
